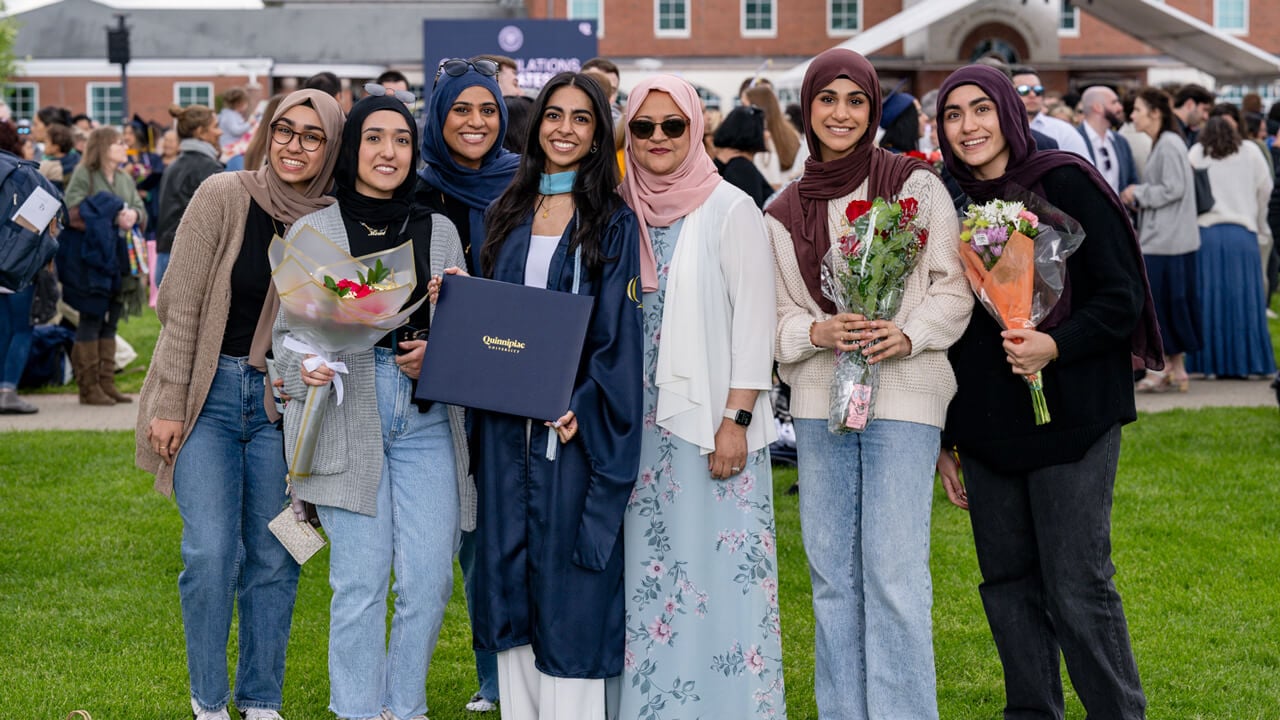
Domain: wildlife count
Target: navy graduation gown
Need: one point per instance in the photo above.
(549, 566)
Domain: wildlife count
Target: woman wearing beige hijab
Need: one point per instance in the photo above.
(203, 426)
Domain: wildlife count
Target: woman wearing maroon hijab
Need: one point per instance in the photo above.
(1039, 496)
(865, 498)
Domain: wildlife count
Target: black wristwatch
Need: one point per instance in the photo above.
(741, 417)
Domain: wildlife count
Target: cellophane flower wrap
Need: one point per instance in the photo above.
(865, 272)
(1015, 254)
(335, 304)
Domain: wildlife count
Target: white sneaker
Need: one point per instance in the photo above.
(261, 714)
(1271, 314)
(199, 713)
(478, 704)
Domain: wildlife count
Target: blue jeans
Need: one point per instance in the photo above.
(1043, 540)
(486, 662)
(162, 264)
(15, 335)
(414, 534)
(229, 482)
(865, 504)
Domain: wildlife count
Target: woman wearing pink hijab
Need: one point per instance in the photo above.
(702, 632)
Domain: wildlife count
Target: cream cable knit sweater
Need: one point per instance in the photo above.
(935, 310)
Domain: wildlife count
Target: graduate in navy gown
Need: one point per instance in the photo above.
(548, 581)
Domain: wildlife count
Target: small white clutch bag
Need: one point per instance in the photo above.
(299, 538)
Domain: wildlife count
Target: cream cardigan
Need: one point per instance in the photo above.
(717, 322)
(935, 310)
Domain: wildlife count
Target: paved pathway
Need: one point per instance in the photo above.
(64, 412)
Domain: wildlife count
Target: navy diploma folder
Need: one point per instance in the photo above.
(504, 347)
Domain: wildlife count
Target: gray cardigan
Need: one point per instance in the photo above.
(1167, 200)
(348, 461)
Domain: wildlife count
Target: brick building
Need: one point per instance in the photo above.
(194, 55)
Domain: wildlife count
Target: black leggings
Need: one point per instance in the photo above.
(99, 327)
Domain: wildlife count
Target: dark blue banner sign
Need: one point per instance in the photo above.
(541, 48)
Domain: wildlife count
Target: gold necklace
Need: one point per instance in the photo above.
(374, 232)
(544, 202)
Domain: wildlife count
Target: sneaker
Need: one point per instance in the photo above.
(199, 713)
(260, 714)
(479, 704)
(1271, 314)
(11, 404)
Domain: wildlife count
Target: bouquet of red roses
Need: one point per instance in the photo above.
(865, 272)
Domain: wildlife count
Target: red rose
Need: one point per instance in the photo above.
(924, 237)
(909, 207)
(856, 209)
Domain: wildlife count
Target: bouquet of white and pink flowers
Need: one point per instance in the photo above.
(865, 272)
(335, 304)
(1015, 260)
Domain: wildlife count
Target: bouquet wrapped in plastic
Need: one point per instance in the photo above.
(335, 304)
(1015, 255)
(865, 272)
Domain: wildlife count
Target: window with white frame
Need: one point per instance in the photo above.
(106, 103)
(671, 18)
(587, 10)
(1069, 20)
(759, 18)
(23, 99)
(844, 17)
(1231, 15)
(193, 93)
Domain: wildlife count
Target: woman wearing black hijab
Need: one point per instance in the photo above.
(388, 474)
(1040, 496)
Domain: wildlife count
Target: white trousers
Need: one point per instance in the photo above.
(525, 693)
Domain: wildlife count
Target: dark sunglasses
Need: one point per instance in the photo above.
(458, 68)
(377, 90)
(671, 127)
(1025, 90)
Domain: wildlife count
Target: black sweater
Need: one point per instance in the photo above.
(177, 187)
(1089, 387)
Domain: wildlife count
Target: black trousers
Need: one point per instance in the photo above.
(1043, 542)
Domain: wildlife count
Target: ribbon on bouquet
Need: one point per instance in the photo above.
(317, 360)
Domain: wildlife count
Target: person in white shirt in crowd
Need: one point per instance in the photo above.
(1027, 82)
(508, 76)
(1108, 150)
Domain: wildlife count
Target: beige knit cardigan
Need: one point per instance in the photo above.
(935, 310)
(193, 305)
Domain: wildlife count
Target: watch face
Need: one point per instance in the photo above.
(743, 418)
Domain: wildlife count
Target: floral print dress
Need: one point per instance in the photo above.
(703, 634)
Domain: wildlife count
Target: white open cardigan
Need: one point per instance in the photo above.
(717, 321)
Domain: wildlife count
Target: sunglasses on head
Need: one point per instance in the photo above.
(671, 127)
(458, 68)
(1025, 90)
(377, 90)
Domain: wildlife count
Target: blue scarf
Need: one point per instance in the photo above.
(474, 188)
(557, 183)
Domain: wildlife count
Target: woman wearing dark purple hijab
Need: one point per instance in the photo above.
(1039, 496)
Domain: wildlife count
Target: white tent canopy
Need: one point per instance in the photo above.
(1175, 33)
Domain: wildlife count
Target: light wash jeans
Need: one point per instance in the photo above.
(414, 533)
(228, 479)
(865, 503)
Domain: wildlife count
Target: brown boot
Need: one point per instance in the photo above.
(84, 363)
(107, 370)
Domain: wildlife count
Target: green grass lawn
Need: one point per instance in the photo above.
(90, 617)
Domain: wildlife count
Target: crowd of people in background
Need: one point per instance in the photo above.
(701, 233)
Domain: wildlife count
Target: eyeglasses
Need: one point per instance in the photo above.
(458, 68)
(282, 134)
(1025, 90)
(377, 90)
(1106, 157)
(671, 127)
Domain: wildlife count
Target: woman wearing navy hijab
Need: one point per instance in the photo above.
(1039, 496)
(466, 169)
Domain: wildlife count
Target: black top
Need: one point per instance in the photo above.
(250, 278)
(177, 187)
(1089, 388)
(743, 174)
(458, 213)
(417, 230)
